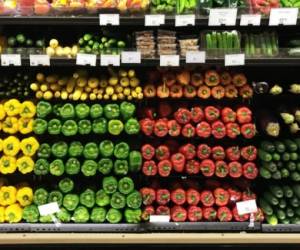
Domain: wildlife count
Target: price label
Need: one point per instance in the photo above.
(246, 207)
(107, 60)
(250, 19)
(159, 218)
(195, 57)
(184, 20)
(235, 60)
(131, 57)
(86, 59)
(169, 60)
(218, 17)
(36, 60)
(283, 16)
(109, 19)
(49, 208)
(154, 20)
(10, 59)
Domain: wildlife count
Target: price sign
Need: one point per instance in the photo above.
(246, 207)
(86, 59)
(250, 19)
(195, 57)
(283, 16)
(131, 57)
(36, 60)
(10, 59)
(184, 20)
(49, 208)
(159, 218)
(107, 60)
(169, 60)
(218, 17)
(154, 20)
(109, 19)
(235, 60)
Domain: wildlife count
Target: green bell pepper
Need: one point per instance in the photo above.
(82, 110)
(57, 167)
(39, 126)
(55, 196)
(75, 149)
(69, 128)
(40, 196)
(87, 198)
(89, 168)
(106, 148)
(121, 150)
(121, 167)
(44, 151)
(81, 215)
(84, 127)
(98, 214)
(109, 184)
(118, 200)
(91, 151)
(43, 109)
(99, 126)
(72, 166)
(134, 200)
(127, 110)
(132, 126)
(105, 165)
(102, 198)
(31, 214)
(135, 161)
(41, 167)
(96, 111)
(66, 185)
(133, 215)
(125, 185)
(45, 219)
(54, 127)
(67, 111)
(59, 149)
(115, 127)
(56, 109)
(112, 111)
(70, 201)
(113, 216)
(63, 215)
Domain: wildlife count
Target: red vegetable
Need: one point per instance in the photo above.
(148, 151)
(174, 128)
(178, 214)
(209, 213)
(197, 114)
(238, 217)
(162, 196)
(224, 214)
(188, 150)
(164, 168)
(192, 196)
(162, 152)
(211, 113)
(192, 167)
(203, 151)
(235, 194)
(148, 210)
(183, 116)
(188, 130)
(218, 130)
(178, 196)
(164, 109)
(244, 115)
(189, 91)
(161, 128)
(233, 153)
(178, 162)
(163, 210)
(248, 130)
(250, 170)
(228, 115)
(221, 197)
(249, 153)
(207, 198)
(218, 153)
(203, 129)
(148, 195)
(248, 195)
(233, 130)
(149, 168)
(235, 169)
(194, 213)
(147, 126)
(207, 167)
(221, 169)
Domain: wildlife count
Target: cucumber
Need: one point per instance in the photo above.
(276, 190)
(265, 173)
(276, 175)
(280, 214)
(284, 173)
(268, 146)
(280, 147)
(272, 220)
(271, 166)
(264, 156)
(270, 198)
(285, 156)
(288, 191)
(295, 220)
(282, 203)
(294, 202)
(265, 206)
(276, 157)
(291, 166)
(289, 212)
(294, 156)
(291, 145)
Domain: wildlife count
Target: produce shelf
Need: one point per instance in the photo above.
(281, 228)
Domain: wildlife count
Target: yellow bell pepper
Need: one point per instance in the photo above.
(2, 112)
(25, 196)
(13, 213)
(7, 164)
(10, 125)
(8, 195)
(29, 146)
(25, 125)
(11, 146)
(2, 214)
(12, 107)
(1, 145)
(25, 164)
(28, 109)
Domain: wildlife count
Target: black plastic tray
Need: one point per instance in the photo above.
(281, 228)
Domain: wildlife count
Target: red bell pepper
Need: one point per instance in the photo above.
(233, 130)
(203, 151)
(209, 213)
(164, 168)
(178, 196)
(149, 168)
(148, 210)
(178, 162)
(221, 169)
(207, 198)
(194, 213)
(174, 128)
(221, 197)
(163, 196)
(233, 153)
(218, 153)
(164, 109)
(228, 115)
(250, 170)
(244, 115)
(182, 116)
(248, 130)
(162, 152)
(197, 114)
(188, 150)
(207, 167)
(203, 129)
(218, 129)
(163, 210)
(148, 195)
(235, 194)
(211, 113)
(248, 195)
(239, 218)
(178, 214)
(235, 169)
(249, 153)
(192, 197)
(148, 151)
(147, 126)
(161, 128)
(192, 167)
(224, 214)
(188, 130)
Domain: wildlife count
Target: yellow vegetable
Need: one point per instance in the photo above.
(12, 107)
(39, 94)
(93, 82)
(109, 90)
(134, 82)
(11, 146)
(25, 164)
(2, 112)
(134, 94)
(99, 96)
(2, 214)
(70, 85)
(114, 97)
(124, 82)
(138, 90)
(113, 81)
(57, 94)
(7, 164)
(44, 87)
(34, 86)
(106, 97)
(24, 196)
(126, 91)
(8, 195)
(119, 89)
(64, 95)
(28, 109)
(121, 96)
(10, 125)
(48, 95)
(13, 213)
(83, 96)
(29, 146)
(25, 125)
(93, 96)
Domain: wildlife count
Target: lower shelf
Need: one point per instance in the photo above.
(280, 228)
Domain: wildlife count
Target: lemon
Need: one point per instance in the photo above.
(109, 90)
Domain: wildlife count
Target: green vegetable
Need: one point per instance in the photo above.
(135, 161)
(59, 149)
(282, 203)
(127, 110)
(72, 166)
(115, 127)
(75, 149)
(105, 165)
(63, 215)
(54, 127)
(69, 128)
(89, 168)
(66, 185)
(265, 173)
(45, 219)
(98, 215)
(270, 198)
(276, 157)
(31, 214)
(291, 146)
(264, 205)
(96, 111)
(134, 200)
(272, 220)
(294, 202)
(110, 184)
(40, 196)
(43, 109)
(99, 126)
(288, 191)
(102, 198)
(106, 148)
(91, 151)
(295, 176)
(291, 166)
(294, 156)
(57, 167)
(133, 215)
(121, 150)
(285, 156)
(81, 215)
(55, 196)
(287, 118)
(268, 146)
(264, 156)
(289, 212)
(44, 151)
(277, 175)
(87, 198)
(276, 190)
(112, 111)
(82, 110)
(56, 109)
(67, 111)
(70, 201)
(121, 167)
(126, 185)
(271, 166)
(41, 167)
(113, 216)
(280, 147)
(118, 200)
(132, 126)
(84, 127)
(39, 126)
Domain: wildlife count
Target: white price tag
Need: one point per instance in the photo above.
(107, 60)
(250, 19)
(169, 60)
(131, 57)
(159, 218)
(195, 57)
(36, 60)
(283, 16)
(218, 17)
(86, 59)
(10, 59)
(246, 207)
(235, 60)
(49, 208)
(184, 20)
(154, 20)
(109, 19)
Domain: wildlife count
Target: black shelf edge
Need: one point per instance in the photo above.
(281, 228)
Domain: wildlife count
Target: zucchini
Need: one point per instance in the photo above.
(272, 220)
(276, 175)
(269, 197)
(265, 206)
(294, 202)
(284, 173)
(289, 212)
(265, 173)
(268, 146)
(291, 166)
(276, 190)
(282, 203)
(276, 157)
(280, 147)
(280, 214)
(271, 166)
(288, 191)
(291, 145)
(285, 156)
(264, 156)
